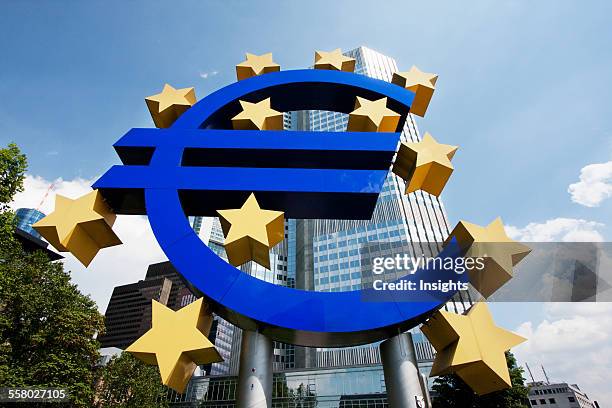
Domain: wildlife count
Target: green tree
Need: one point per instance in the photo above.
(452, 392)
(127, 382)
(47, 326)
(13, 165)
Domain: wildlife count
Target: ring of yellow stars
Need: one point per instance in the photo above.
(472, 347)
(177, 343)
(425, 165)
(334, 60)
(82, 226)
(256, 65)
(168, 105)
(372, 116)
(250, 232)
(258, 116)
(499, 252)
(423, 84)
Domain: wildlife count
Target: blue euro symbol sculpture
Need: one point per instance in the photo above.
(200, 165)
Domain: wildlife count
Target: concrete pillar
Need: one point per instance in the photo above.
(402, 376)
(425, 389)
(255, 373)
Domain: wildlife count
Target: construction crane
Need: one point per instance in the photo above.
(530, 374)
(545, 375)
(51, 187)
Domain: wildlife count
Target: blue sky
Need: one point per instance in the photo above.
(523, 86)
(523, 89)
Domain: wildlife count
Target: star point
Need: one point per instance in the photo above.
(425, 165)
(256, 65)
(177, 342)
(473, 347)
(168, 105)
(423, 84)
(258, 116)
(372, 116)
(250, 232)
(500, 253)
(81, 226)
(334, 60)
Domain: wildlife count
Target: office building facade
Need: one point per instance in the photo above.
(128, 315)
(558, 395)
(28, 237)
(349, 387)
(332, 255)
(25, 217)
(224, 335)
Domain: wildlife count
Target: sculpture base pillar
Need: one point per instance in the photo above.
(255, 373)
(402, 377)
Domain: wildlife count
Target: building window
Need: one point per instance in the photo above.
(571, 399)
(534, 402)
(542, 402)
(552, 401)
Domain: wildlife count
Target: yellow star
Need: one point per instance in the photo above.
(258, 116)
(81, 227)
(472, 347)
(167, 106)
(500, 253)
(421, 83)
(177, 343)
(250, 232)
(334, 60)
(256, 65)
(425, 165)
(372, 116)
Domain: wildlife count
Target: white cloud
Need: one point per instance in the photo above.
(36, 187)
(558, 230)
(207, 74)
(574, 343)
(595, 185)
(122, 264)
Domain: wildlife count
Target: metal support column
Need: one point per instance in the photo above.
(402, 377)
(255, 373)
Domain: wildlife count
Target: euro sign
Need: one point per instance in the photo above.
(200, 165)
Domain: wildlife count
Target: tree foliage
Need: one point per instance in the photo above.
(452, 392)
(13, 165)
(47, 326)
(127, 382)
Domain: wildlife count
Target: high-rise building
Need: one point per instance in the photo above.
(29, 238)
(223, 334)
(128, 315)
(25, 217)
(329, 253)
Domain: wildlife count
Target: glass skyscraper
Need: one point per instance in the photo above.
(328, 256)
(325, 255)
(26, 217)
(228, 335)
